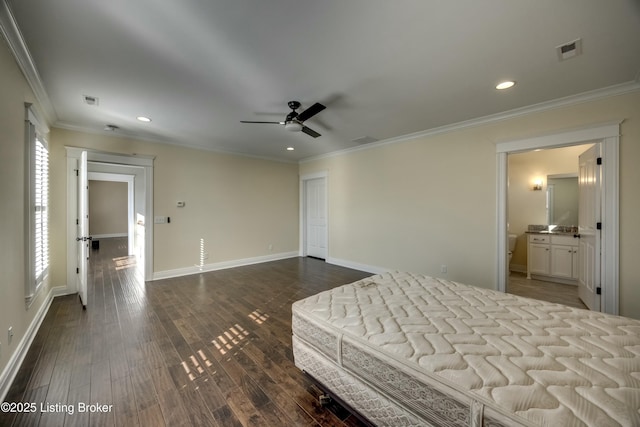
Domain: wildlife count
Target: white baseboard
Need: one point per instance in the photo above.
(178, 272)
(356, 266)
(11, 370)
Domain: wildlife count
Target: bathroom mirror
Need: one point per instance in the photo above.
(562, 199)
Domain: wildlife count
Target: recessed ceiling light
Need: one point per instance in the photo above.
(290, 148)
(505, 85)
(143, 119)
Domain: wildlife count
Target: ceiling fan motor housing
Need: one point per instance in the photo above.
(294, 105)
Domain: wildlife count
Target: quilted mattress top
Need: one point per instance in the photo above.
(548, 363)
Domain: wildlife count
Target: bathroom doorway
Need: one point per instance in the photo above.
(543, 195)
(608, 137)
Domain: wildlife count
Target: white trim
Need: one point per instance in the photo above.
(115, 158)
(13, 36)
(181, 144)
(616, 90)
(610, 246)
(146, 162)
(562, 139)
(502, 185)
(11, 369)
(302, 250)
(35, 135)
(356, 265)
(13, 366)
(222, 265)
(608, 135)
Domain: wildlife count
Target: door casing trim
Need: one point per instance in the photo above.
(303, 211)
(146, 162)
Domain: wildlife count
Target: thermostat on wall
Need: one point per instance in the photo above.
(180, 204)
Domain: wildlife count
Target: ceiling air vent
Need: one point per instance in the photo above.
(569, 50)
(90, 100)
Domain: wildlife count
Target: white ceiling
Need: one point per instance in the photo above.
(383, 68)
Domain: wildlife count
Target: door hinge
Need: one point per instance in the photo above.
(599, 290)
(599, 161)
(77, 270)
(598, 226)
(77, 222)
(76, 172)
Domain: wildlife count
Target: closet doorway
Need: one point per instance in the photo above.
(314, 216)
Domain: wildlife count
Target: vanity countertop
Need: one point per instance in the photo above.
(561, 233)
(552, 229)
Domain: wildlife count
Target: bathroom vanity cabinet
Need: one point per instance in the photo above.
(553, 257)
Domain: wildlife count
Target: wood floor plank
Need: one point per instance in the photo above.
(124, 407)
(75, 418)
(547, 291)
(173, 409)
(151, 416)
(198, 411)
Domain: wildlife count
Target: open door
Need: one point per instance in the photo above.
(589, 188)
(83, 239)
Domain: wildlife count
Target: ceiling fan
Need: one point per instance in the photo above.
(294, 120)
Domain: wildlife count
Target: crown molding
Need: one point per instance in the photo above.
(13, 36)
(607, 92)
(180, 144)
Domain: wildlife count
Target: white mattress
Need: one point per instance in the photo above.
(451, 354)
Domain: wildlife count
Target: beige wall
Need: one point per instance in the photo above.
(238, 205)
(414, 205)
(14, 92)
(430, 201)
(108, 207)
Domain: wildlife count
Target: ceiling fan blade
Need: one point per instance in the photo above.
(310, 112)
(270, 123)
(310, 132)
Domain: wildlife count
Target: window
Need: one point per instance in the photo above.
(37, 151)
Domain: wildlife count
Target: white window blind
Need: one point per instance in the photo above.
(37, 206)
(41, 210)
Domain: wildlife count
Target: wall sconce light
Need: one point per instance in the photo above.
(537, 185)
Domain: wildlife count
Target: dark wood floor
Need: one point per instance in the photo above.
(212, 349)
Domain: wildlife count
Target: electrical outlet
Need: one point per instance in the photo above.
(443, 268)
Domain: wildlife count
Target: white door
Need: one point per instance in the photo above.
(82, 235)
(589, 188)
(316, 217)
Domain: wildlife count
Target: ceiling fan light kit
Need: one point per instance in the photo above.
(293, 126)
